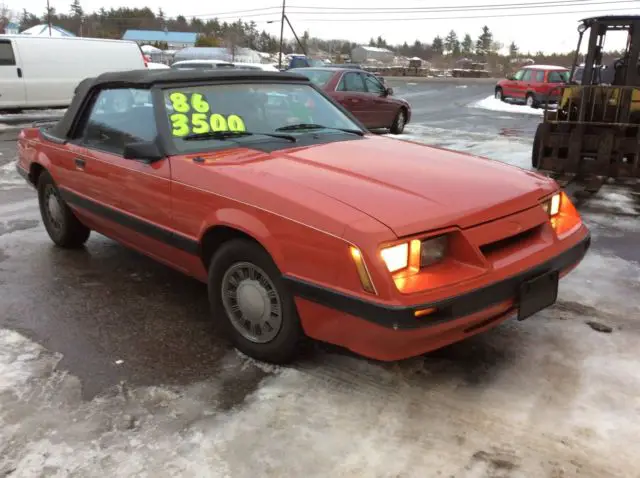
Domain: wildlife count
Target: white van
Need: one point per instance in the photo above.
(42, 72)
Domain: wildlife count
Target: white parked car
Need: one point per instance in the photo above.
(214, 64)
(43, 72)
(201, 64)
(157, 66)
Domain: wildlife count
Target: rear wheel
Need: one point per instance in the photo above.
(63, 227)
(531, 101)
(255, 308)
(399, 122)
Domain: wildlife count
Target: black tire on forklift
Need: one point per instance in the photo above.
(535, 151)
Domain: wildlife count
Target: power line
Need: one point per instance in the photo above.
(198, 15)
(497, 6)
(506, 15)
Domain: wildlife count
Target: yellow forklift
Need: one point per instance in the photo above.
(594, 134)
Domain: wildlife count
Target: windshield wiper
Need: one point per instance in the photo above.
(293, 127)
(234, 134)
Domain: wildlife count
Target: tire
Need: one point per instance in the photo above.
(399, 122)
(63, 227)
(234, 260)
(530, 100)
(535, 151)
(499, 95)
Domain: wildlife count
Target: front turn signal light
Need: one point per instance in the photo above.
(363, 272)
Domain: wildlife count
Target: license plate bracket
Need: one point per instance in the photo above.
(537, 293)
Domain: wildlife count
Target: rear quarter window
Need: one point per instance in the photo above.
(558, 76)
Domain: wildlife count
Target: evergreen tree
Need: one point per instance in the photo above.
(467, 45)
(437, 46)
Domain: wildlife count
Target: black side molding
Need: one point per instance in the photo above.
(150, 230)
(451, 308)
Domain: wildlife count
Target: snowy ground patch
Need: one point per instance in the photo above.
(511, 150)
(492, 104)
(9, 176)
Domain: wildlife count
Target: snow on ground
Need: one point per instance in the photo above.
(511, 150)
(9, 176)
(492, 104)
(547, 397)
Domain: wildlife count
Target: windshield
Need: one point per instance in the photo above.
(197, 115)
(319, 77)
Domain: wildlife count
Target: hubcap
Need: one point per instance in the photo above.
(400, 121)
(529, 100)
(498, 95)
(54, 209)
(251, 302)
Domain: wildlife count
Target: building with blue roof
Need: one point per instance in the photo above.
(172, 39)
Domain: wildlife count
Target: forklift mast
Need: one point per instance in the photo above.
(626, 73)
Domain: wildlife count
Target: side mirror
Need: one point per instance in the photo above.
(388, 91)
(146, 151)
(510, 77)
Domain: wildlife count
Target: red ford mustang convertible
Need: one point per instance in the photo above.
(301, 222)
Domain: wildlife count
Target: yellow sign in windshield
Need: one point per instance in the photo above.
(192, 115)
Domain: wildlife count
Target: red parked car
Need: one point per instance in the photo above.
(302, 223)
(363, 94)
(536, 84)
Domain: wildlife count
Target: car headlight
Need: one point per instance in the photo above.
(552, 206)
(563, 215)
(414, 254)
(396, 257)
(433, 250)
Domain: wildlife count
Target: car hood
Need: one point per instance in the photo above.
(410, 187)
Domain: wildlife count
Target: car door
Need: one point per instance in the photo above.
(383, 109)
(351, 93)
(537, 84)
(524, 84)
(12, 87)
(511, 87)
(137, 190)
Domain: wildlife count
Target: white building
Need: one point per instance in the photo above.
(362, 54)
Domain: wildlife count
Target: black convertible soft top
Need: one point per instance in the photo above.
(148, 78)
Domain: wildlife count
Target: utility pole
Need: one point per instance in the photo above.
(281, 35)
(49, 17)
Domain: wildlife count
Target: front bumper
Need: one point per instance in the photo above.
(449, 309)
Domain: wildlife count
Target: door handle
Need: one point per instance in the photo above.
(19, 72)
(80, 163)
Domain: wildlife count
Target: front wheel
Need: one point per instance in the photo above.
(531, 101)
(63, 227)
(499, 95)
(399, 122)
(255, 308)
(535, 151)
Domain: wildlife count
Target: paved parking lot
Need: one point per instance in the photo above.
(110, 366)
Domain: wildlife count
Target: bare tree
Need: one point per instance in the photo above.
(6, 16)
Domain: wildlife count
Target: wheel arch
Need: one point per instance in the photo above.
(229, 224)
(35, 171)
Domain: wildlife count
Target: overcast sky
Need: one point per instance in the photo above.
(546, 25)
